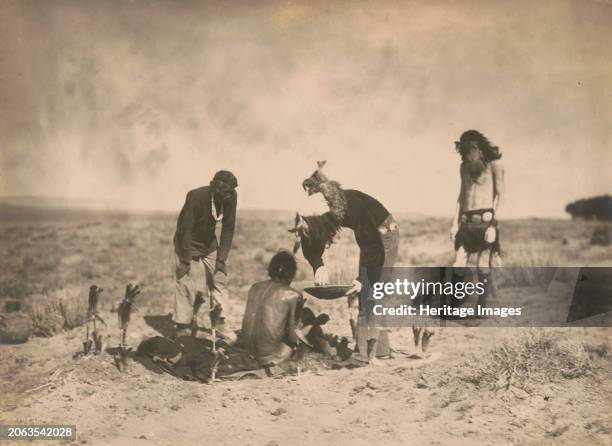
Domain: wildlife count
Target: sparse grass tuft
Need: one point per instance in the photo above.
(341, 260)
(602, 235)
(537, 357)
(531, 264)
(599, 350)
(60, 310)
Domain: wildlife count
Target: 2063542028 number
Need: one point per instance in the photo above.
(37, 432)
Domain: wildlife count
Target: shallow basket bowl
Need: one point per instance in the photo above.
(328, 292)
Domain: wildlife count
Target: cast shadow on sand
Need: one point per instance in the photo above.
(162, 324)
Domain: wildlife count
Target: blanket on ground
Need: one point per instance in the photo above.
(191, 359)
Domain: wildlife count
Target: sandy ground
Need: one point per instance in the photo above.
(416, 401)
(434, 400)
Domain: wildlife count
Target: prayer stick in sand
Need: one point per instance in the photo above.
(298, 331)
(87, 342)
(297, 356)
(124, 312)
(422, 334)
(215, 313)
(197, 304)
(93, 339)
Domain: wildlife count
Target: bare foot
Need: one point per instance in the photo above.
(375, 362)
(427, 334)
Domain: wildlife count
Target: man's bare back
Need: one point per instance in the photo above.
(269, 323)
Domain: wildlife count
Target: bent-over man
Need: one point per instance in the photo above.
(376, 234)
(201, 258)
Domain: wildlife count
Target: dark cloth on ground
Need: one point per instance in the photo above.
(191, 359)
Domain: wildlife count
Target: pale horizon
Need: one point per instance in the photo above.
(100, 205)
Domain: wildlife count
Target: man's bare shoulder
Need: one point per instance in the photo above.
(286, 291)
(258, 285)
(291, 294)
(497, 165)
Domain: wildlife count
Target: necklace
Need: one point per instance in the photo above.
(213, 208)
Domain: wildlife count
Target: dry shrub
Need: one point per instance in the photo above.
(15, 327)
(601, 350)
(260, 257)
(530, 265)
(537, 357)
(524, 276)
(342, 265)
(602, 235)
(422, 259)
(46, 315)
(58, 310)
(90, 269)
(15, 287)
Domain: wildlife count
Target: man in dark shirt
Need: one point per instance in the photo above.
(201, 258)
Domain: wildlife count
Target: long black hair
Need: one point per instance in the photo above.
(471, 137)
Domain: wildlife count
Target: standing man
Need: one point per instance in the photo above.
(474, 229)
(201, 258)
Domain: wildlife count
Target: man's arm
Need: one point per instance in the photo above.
(458, 207)
(184, 228)
(247, 339)
(227, 233)
(294, 304)
(313, 252)
(499, 186)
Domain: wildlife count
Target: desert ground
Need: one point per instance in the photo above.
(476, 386)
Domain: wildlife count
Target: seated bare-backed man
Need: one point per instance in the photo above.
(376, 233)
(201, 258)
(475, 223)
(272, 314)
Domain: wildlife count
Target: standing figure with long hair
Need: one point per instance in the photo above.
(475, 229)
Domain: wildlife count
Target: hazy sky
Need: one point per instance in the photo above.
(135, 102)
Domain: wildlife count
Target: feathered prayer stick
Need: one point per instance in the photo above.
(124, 312)
(197, 304)
(92, 317)
(215, 313)
(300, 332)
